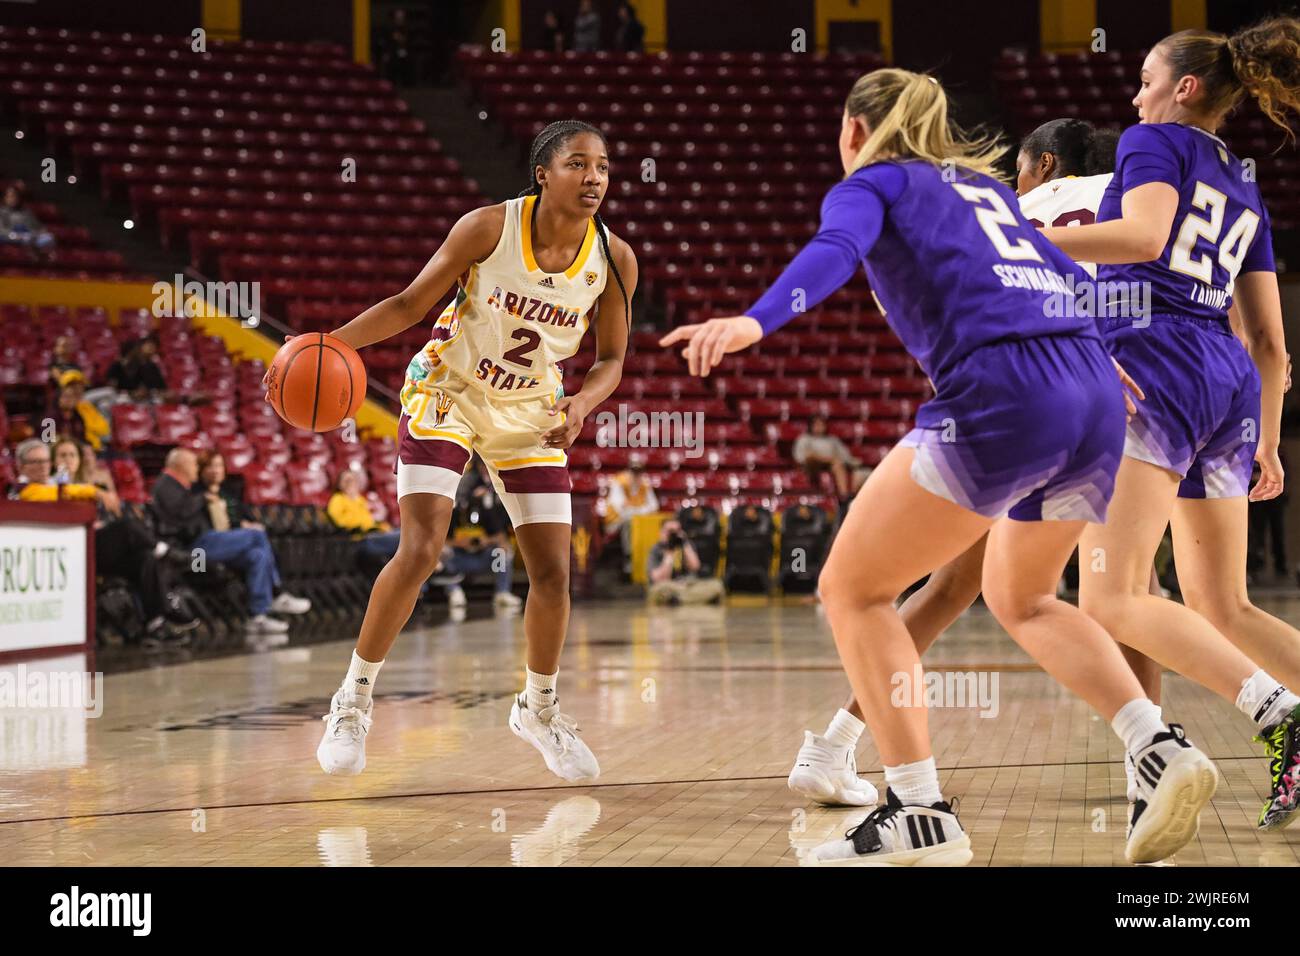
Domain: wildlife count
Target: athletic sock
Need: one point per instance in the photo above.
(844, 730)
(1137, 722)
(1264, 700)
(361, 678)
(916, 782)
(540, 691)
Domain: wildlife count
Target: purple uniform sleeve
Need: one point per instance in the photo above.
(1260, 256)
(852, 215)
(1146, 155)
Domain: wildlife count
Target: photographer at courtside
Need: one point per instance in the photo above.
(674, 571)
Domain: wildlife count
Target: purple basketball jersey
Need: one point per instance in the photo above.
(1220, 230)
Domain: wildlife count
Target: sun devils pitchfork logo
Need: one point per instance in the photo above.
(443, 406)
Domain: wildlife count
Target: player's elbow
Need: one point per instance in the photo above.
(1149, 247)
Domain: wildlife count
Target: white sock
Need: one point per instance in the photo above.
(916, 782)
(361, 677)
(844, 730)
(1264, 700)
(1137, 722)
(540, 691)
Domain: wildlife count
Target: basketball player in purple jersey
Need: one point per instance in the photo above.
(1063, 169)
(1183, 223)
(1027, 423)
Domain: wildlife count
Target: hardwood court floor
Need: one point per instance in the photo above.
(695, 714)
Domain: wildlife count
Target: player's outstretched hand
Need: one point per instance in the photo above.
(1130, 386)
(565, 434)
(266, 394)
(707, 342)
(1271, 477)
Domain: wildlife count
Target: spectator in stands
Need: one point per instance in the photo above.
(630, 494)
(127, 548)
(553, 33)
(95, 472)
(674, 571)
(37, 480)
(349, 510)
(226, 510)
(137, 371)
(73, 415)
(586, 28)
(62, 360)
(182, 505)
(817, 450)
(19, 226)
(629, 35)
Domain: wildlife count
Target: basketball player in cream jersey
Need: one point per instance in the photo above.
(1062, 170)
(531, 275)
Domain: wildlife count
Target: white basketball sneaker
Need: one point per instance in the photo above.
(828, 775)
(898, 834)
(555, 737)
(343, 748)
(1175, 780)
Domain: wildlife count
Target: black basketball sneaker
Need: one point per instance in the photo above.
(1282, 741)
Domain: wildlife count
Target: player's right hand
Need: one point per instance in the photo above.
(266, 385)
(1129, 386)
(1271, 477)
(707, 342)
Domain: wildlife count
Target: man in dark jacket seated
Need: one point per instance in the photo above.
(181, 507)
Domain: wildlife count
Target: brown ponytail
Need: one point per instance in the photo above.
(1262, 60)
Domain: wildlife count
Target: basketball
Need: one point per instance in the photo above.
(316, 382)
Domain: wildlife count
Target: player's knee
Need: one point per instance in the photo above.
(1013, 606)
(839, 588)
(419, 555)
(550, 579)
(1225, 611)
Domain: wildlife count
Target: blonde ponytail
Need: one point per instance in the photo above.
(908, 116)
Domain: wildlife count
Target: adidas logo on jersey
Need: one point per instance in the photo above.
(548, 283)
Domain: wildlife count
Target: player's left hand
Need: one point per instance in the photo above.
(1271, 477)
(574, 409)
(707, 342)
(1129, 386)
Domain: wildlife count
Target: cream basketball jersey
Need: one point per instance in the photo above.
(1069, 201)
(511, 324)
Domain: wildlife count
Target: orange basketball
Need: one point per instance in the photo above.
(316, 381)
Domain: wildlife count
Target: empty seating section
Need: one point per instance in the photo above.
(719, 162)
(1099, 87)
(75, 254)
(283, 163)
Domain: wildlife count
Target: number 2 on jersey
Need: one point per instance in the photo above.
(993, 218)
(519, 354)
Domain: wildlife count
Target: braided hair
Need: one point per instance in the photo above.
(546, 144)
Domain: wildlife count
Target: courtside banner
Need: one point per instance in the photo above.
(43, 571)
